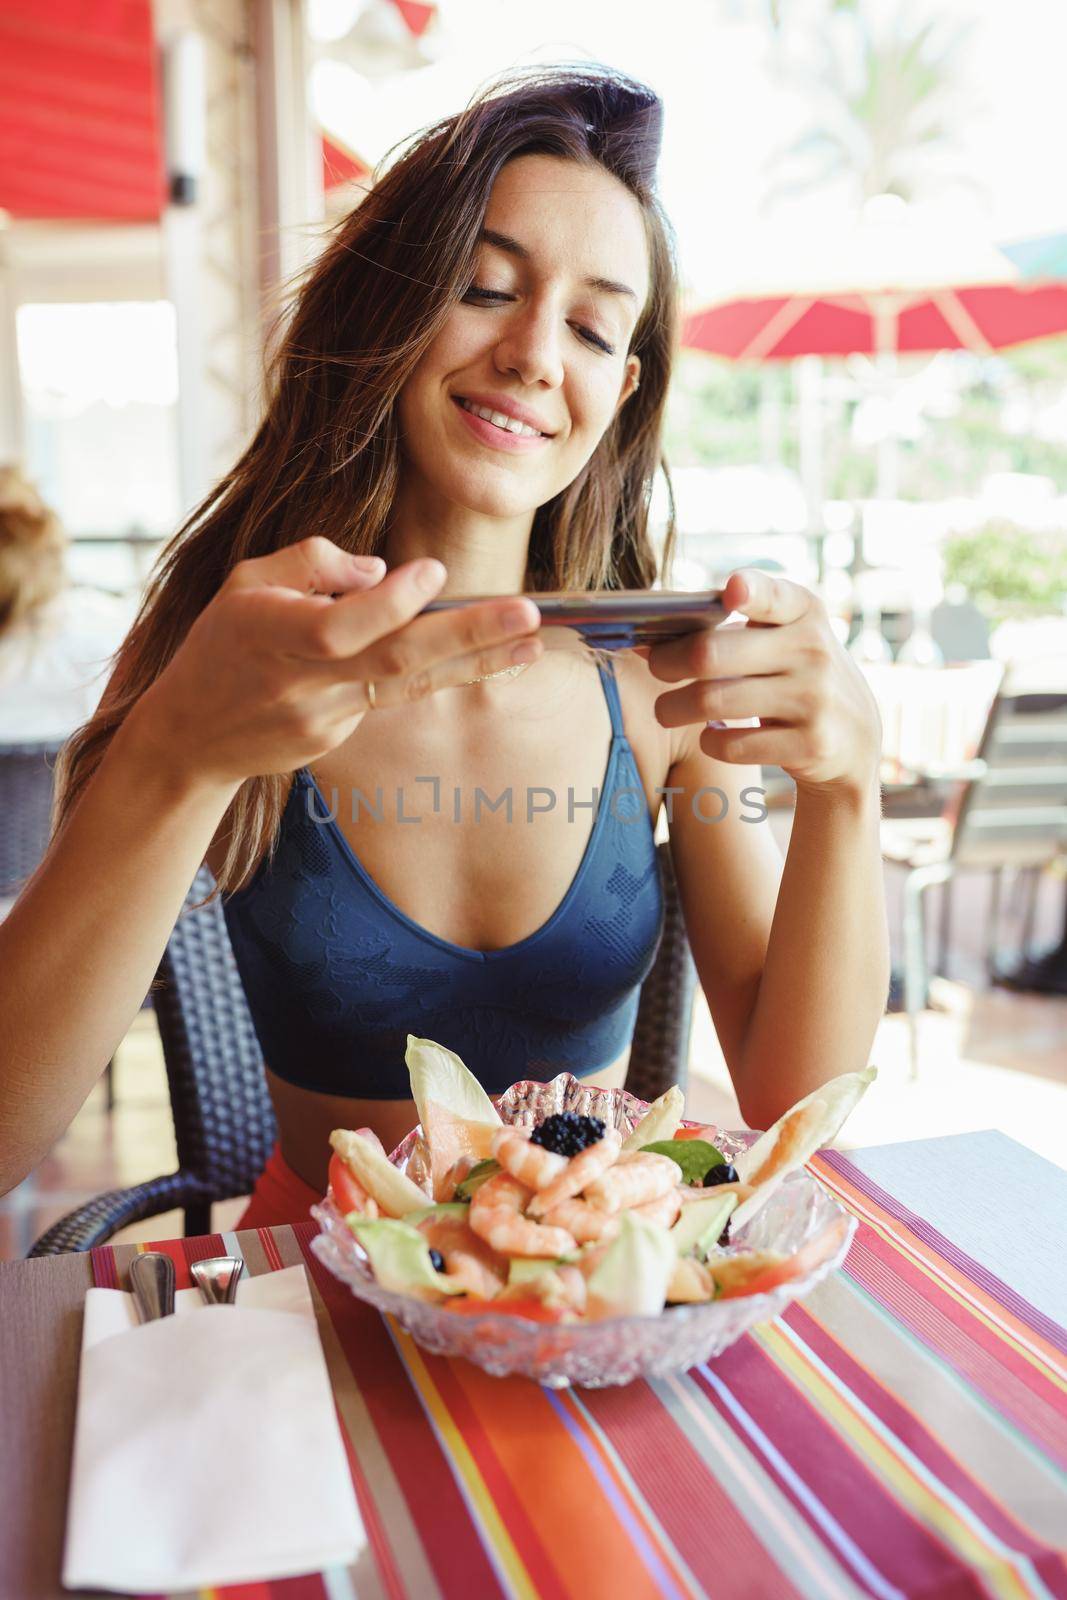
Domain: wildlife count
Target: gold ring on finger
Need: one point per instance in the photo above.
(372, 697)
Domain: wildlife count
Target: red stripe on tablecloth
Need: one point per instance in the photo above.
(372, 1522)
(904, 1425)
(270, 1249)
(450, 1540)
(175, 1248)
(309, 1586)
(902, 1549)
(105, 1273)
(1008, 1382)
(695, 1511)
(506, 1498)
(985, 1280)
(204, 1247)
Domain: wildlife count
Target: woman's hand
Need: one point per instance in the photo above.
(818, 718)
(274, 672)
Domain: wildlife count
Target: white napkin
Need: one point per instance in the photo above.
(207, 1449)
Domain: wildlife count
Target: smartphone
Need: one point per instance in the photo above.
(615, 619)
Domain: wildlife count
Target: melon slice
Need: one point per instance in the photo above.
(795, 1137)
(450, 1138)
(457, 1116)
(439, 1074)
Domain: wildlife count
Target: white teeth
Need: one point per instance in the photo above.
(500, 419)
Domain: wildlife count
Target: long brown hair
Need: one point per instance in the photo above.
(326, 457)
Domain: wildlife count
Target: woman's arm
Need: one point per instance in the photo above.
(826, 976)
(80, 947)
(794, 962)
(795, 972)
(273, 674)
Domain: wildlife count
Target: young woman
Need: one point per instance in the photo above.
(471, 389)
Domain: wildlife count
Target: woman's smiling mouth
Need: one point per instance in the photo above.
(499, 429)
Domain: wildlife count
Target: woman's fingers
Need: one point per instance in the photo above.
(432, 652)
(731, 650)
(457, 670)
(311, 566)
(728, 700)
(768, 747)
(349, 692)
(315, 628)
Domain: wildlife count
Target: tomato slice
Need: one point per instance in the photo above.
(348, 1193)
(700, 1131)
(533, 1309)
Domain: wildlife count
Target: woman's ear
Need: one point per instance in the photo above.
(630, 382)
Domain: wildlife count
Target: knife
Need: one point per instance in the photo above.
(152, 1282)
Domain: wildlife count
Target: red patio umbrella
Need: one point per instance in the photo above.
(892, 280)
(889, 282)
(978, 317)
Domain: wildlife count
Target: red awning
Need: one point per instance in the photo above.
(340, 165)
(79, 110)
(416, 14)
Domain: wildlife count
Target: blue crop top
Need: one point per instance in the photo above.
(337, 976)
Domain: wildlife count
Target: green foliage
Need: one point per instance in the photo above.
(884, 86)
(1009, 570)
(714, 420)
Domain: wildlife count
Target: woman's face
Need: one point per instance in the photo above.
(540, 338)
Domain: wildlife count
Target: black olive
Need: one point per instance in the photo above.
(723, 1172)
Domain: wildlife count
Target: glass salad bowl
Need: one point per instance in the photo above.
(618, 1349)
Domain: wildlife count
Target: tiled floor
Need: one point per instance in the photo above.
(988, 1058)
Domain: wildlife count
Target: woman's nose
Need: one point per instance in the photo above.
(531, 347)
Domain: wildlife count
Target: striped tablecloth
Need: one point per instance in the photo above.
(903, 1432)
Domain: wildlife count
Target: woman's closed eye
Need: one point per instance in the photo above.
(497, 296)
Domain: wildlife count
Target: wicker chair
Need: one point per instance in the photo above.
(26, 776)
(25, 805)
(223, 1120)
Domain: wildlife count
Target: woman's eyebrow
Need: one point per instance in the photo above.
(504, 241)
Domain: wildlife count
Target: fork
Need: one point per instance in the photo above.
(217, 1279)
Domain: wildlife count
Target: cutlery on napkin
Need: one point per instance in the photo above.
(206, 1447)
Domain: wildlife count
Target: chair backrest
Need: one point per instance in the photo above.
(932, 718)
(25, 810)
(659, 1054)
(1015, 814)
(223, 1119)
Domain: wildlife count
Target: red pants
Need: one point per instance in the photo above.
(280, 1196)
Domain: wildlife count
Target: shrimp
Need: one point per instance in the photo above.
(583, 1220)
(574, 1288)
(534, 1167)
(469, 1262)
(663, 1211)
(496, 1216)
(636, 1178)
(472, 1275)
(580, 1171)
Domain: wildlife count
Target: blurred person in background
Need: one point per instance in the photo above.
(55, 638)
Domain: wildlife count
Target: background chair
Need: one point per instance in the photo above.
(26, 781)
(223, 1120)
(1012, 813)
(25, 810)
